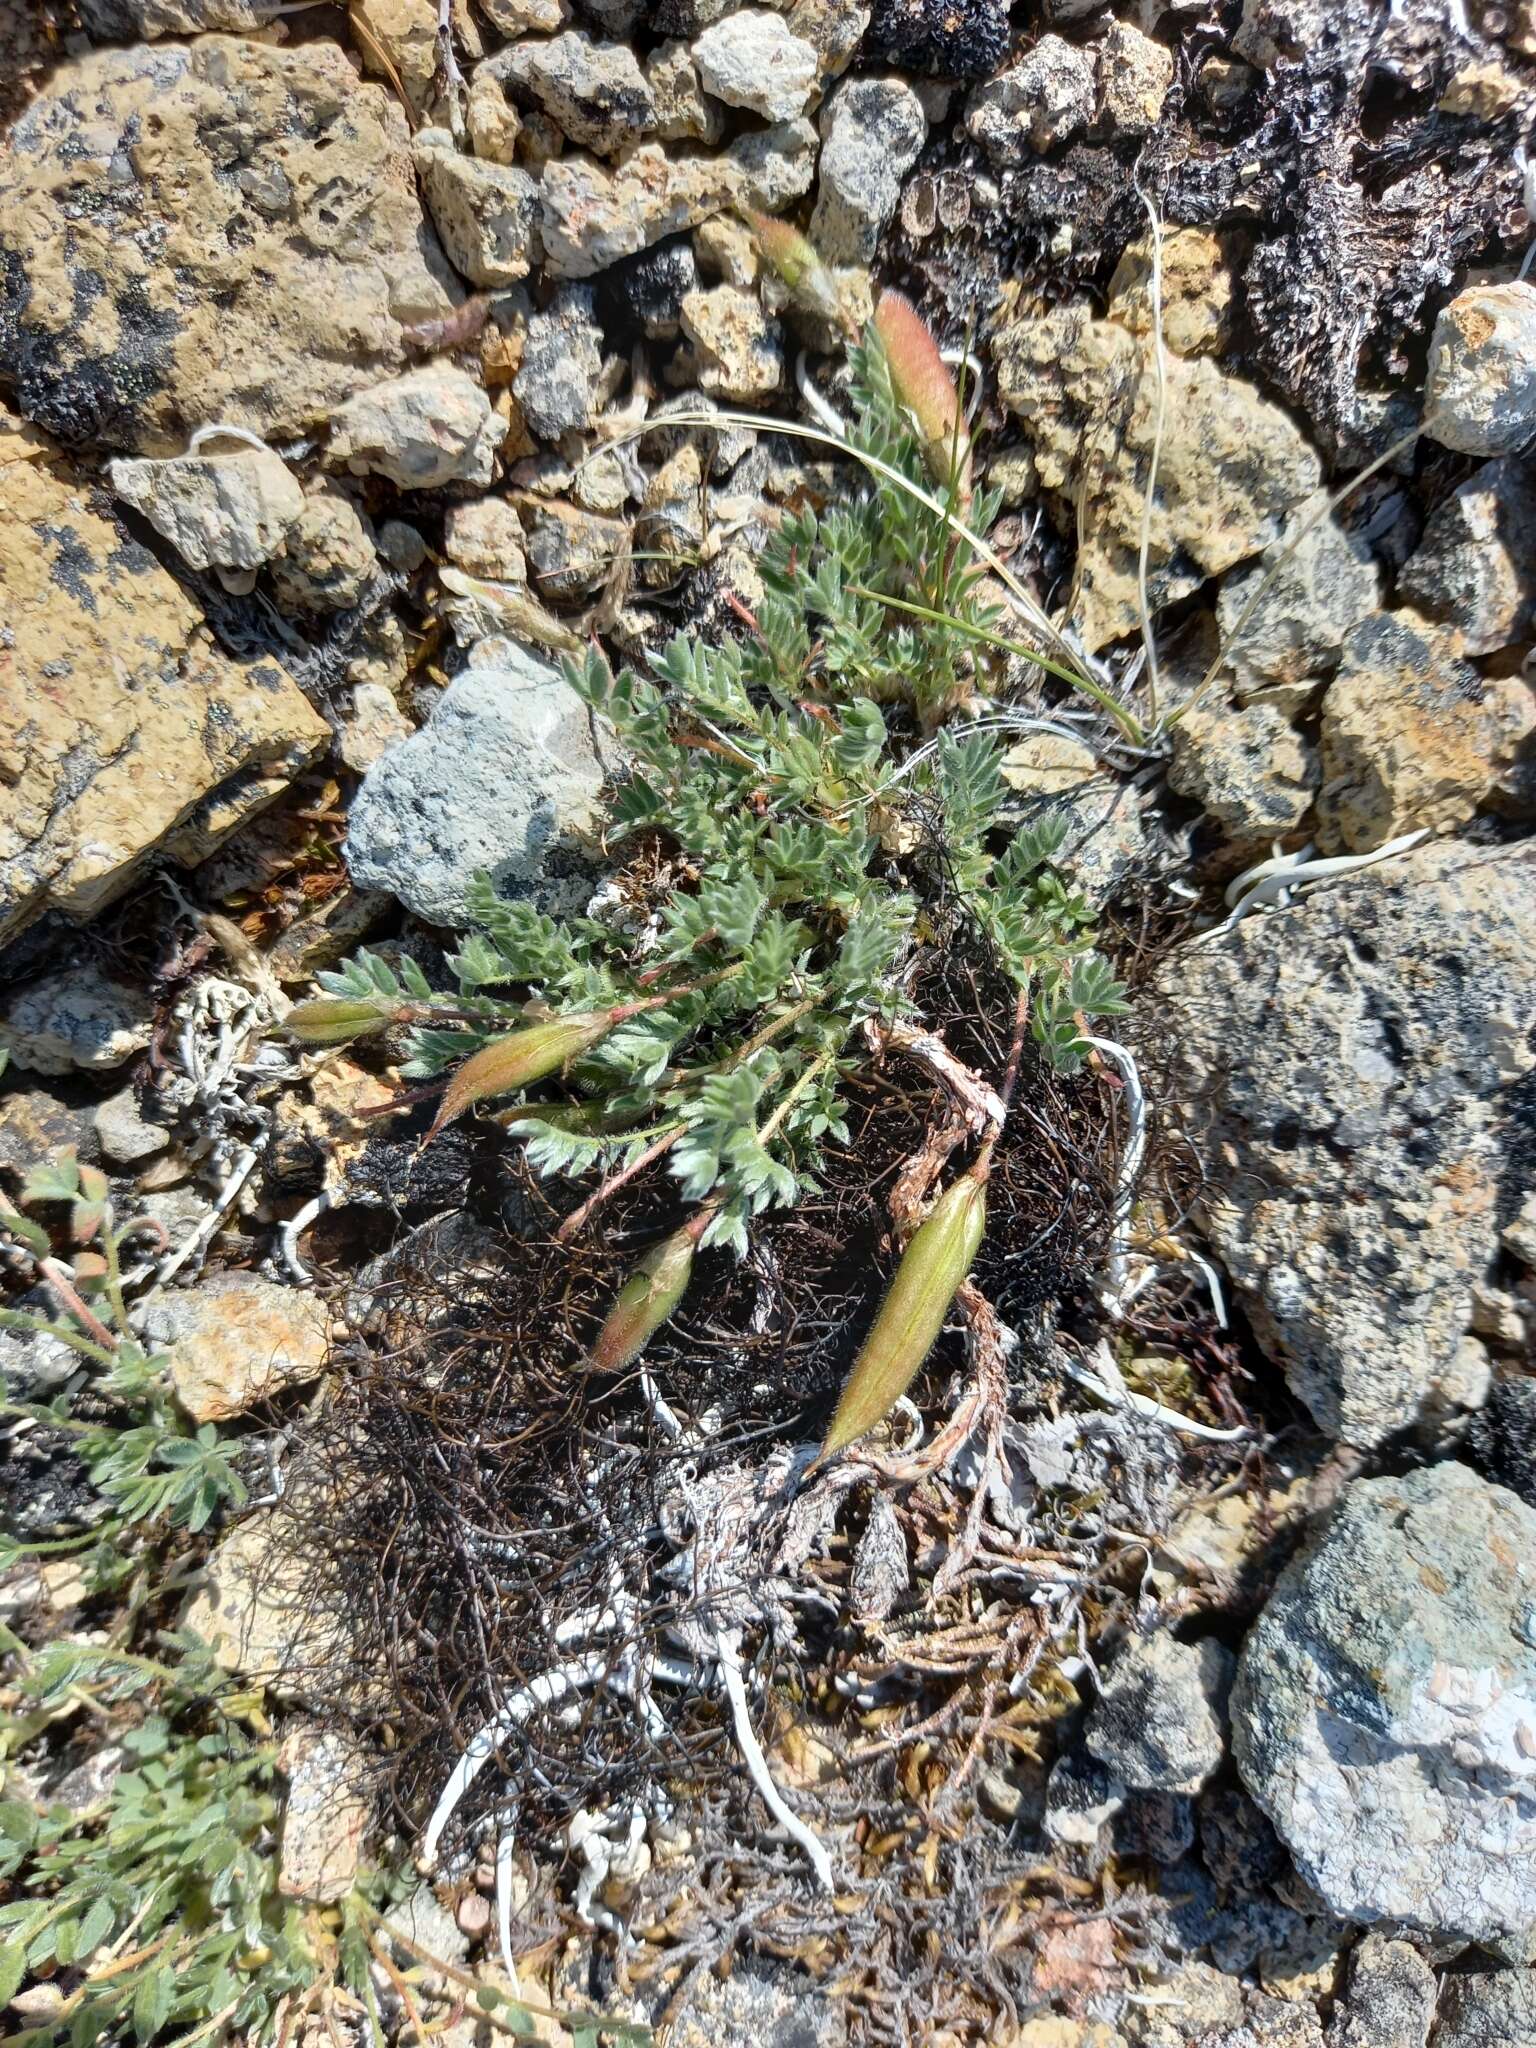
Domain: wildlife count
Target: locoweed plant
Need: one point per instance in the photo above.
(825, 823)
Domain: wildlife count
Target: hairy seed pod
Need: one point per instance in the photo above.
(332, 1020)
(645, 1301)
(529, 1055)
(911, 1316)
(795, 260)
(926, 388)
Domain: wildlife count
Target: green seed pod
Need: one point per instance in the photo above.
(645, 1301)
(911, 1316)
(529, 1055)
(332, 1020)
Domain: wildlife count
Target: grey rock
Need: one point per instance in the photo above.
(1385, 1709)
(1158, 1723)
(1390, 1998)
(1480, 389)
(431, 427)
(752, 59)
(595, 93)
(1159, 1826)
(33, 1365)
(1487, 2009)
(1330, 34)
(1271, 2023)
(485, 537)
(143, 20)
(217, 511)
(1044, 99)
(486, 213)
(503, 772)
(872, 132)
(685, 112)
(561, 361)
(1251, 771)
(34, 1125)
(76, 1017)
(126, 1135)
(741, 353)
(750, 2005)
(1195, 2003)
(595, 214)
(1237, 1843)
(1345, 1062)
(1474, 564)
(402, 546)
(429, 1925)
(1411, 735)
(1052, 776)
(328, 559)
(522, 17)
(571, 551)
(1318, 588)
(1081, 1795)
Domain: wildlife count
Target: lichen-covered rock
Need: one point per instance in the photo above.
(594, 215)
(1385, 1709)
(1345, 1066)
(1286, 636)
(751, 58)
(1134, 76)
(1232, 468)
(741, 355)
(572, 551)
(234, 1339)
(595, 93)
(220, 230)
(432, 426)
(1251, 772)
(1474, 565)
(685, 112)
(1044, 99)
(486, 213)
(326, 1812)
(217, 511)
(76, 1017)
(1486, 2009)
(397, 40)
(1480, 388)
(555, 385)
(121, 726)
(1159, 1721)
(1196, 290)
(1390, 1998)
(501, 775)
(1411, 736)
(872, 132)
(328, 558)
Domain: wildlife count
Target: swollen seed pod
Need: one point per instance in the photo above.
(332, 1020)
(529, 1055)
(645, 1301)
(795, 260)
(926, 388)
(932, 1267)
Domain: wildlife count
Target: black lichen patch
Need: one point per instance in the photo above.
(953, 38)
(72, 564)
(74, 394)
(1503, 1437)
